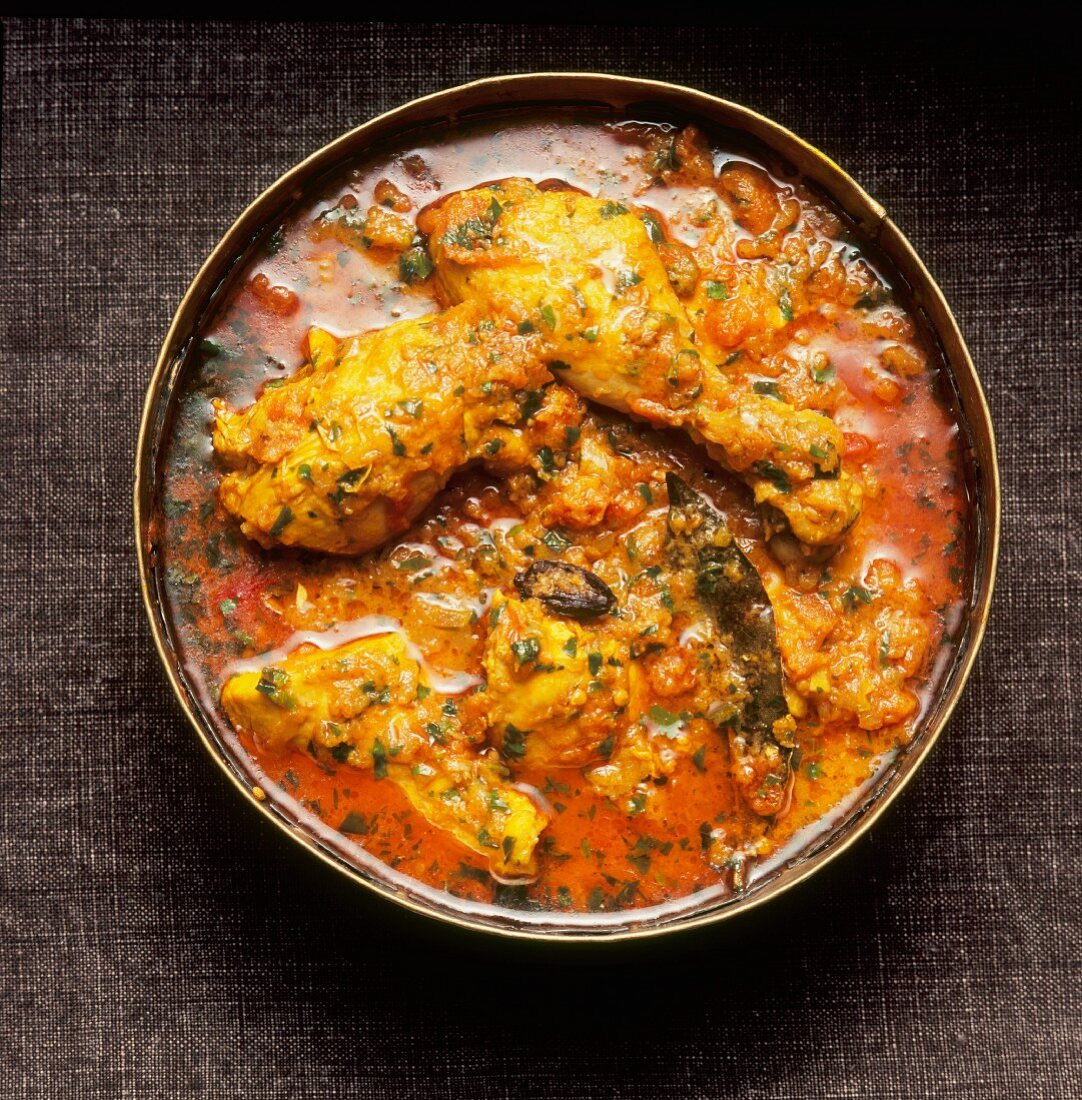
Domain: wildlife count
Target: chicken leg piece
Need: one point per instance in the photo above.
(360, 704)
(582, 273)
(354, 446)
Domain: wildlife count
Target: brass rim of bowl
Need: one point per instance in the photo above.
(617, 95)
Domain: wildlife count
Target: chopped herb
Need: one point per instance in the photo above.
(612, 210)
(556, 541)
(640, 861)
(304, 472)
(854, 596)
(824, 374)
(228, 606)
(548, 316)
(379, 759)
(492, 446)
(660, 716)
(472, 232)
(531, 403)
(412, 406)
(594, 662)
(653, 228)
(718, 292)
(525, 327)
(414, 563)
(397, 446)
(349, 482)
(774, 474)
(275, 240)
(785, 304)
(526, 650)
(699, 758)
(414, 265)
(627, 279)
(646, 493)
(285, 518)
(547, 459)
(355, 823)
(767, 389)
(272, 680)
(665, 158)
(514, 742)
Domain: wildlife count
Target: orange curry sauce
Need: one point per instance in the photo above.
(843, 344)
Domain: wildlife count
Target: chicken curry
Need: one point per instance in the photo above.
(568, 513)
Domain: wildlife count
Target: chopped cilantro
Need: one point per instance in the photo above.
(414, 265)
(526, 650)
(854, 596)
(556, 541)
(514, 742)
(285, 518)
(379, 759)
(397, 446)
(355, 823)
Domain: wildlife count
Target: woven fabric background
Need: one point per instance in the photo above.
(159, 939)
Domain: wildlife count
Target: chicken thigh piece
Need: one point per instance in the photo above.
(583, 274)
(355, 445)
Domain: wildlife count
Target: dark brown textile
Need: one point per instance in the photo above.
(159, 939)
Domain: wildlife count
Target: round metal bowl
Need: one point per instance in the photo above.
(622, 97)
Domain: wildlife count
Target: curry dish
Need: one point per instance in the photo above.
(569, 513)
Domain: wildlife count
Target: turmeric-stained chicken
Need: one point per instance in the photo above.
(566, 686)
(367, 704)
(584, 274)
(352, 448)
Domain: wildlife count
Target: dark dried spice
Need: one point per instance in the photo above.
(727, 583)
(566, 589)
